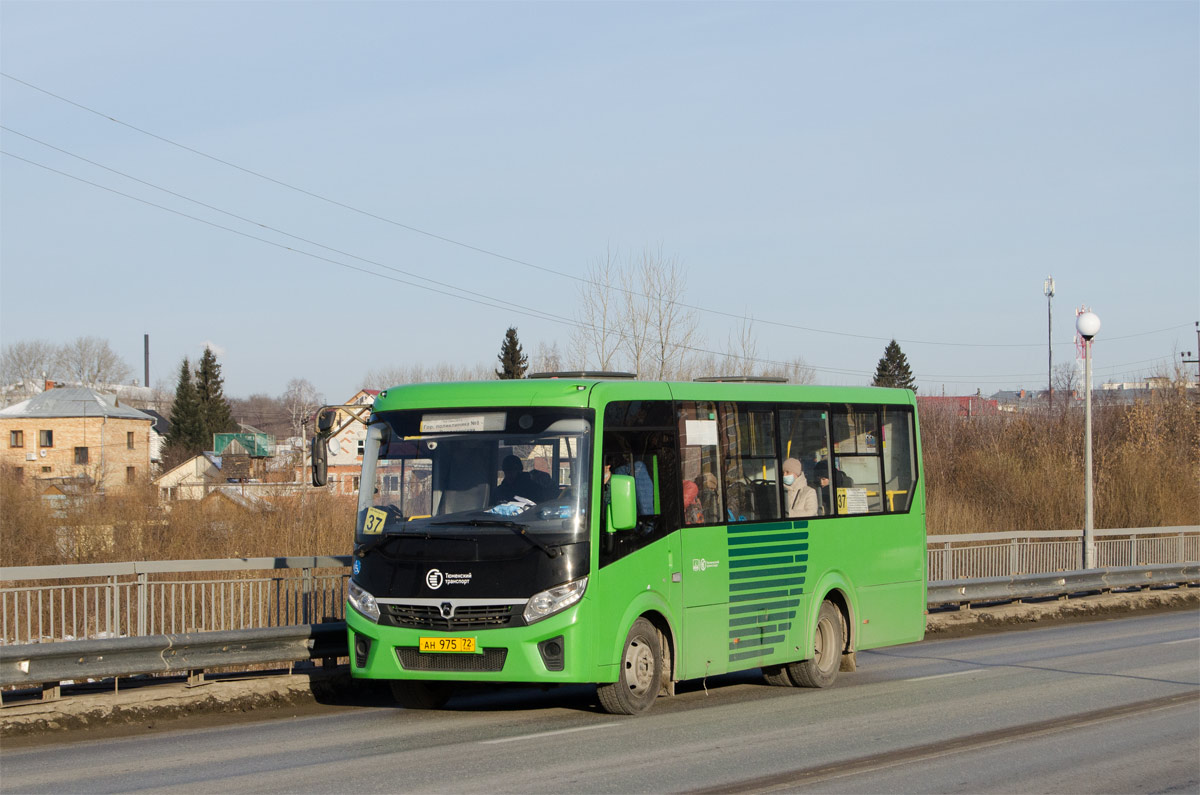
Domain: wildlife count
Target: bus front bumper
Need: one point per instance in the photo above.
(552, 650)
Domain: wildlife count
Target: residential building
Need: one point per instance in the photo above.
(958, 405)
(76, 433)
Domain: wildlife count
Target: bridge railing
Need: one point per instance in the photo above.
(105, 600)
(974, 555)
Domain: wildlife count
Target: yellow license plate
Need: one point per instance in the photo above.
(448, 644)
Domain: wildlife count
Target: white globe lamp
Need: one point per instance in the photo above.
(1088, 325)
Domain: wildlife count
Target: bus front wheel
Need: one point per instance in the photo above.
(822, 668)
(641, 673)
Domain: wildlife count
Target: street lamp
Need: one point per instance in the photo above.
(1048, 290)
(1088, 325)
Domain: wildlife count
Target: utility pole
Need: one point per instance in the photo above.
(1088, 325)
(1195, 361)
(1048, 290)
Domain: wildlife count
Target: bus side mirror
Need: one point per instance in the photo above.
(325, 421)
(622, 505)
(320, 461)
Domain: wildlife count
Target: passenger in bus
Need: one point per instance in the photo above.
(692, 513)
(517, 483)
(643, 484)
(799, 498)
(709, 499)
(840, 480)
(739, 496)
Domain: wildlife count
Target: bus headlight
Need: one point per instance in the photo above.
(548, 602)
(362, 601)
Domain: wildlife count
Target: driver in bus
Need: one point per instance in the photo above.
(517, 482)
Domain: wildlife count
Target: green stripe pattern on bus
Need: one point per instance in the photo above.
(767, 566)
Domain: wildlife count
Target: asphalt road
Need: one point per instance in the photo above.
(1106, 706)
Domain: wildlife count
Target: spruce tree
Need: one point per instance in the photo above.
(893, 369)
(215, 414)
(186, 436)
(513, 361)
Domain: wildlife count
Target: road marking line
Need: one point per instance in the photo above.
(1173, 642)
(547, 734)
(940, 676)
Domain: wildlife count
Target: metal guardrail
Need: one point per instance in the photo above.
(41, 663)
(1031, 586)
(49, 663)
(105, 600)
(975, 555)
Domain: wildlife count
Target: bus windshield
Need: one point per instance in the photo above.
(477, 472)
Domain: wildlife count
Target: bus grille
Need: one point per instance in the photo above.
(465, 617)
(491, 661)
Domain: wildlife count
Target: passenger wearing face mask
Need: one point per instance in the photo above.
(799, 498)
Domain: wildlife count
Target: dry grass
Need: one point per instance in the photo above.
(989, 473)
(135, 526)
(1013, 472)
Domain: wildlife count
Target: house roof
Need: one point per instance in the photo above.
(73, 402)
(161, 424)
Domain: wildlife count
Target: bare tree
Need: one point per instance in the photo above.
(420, 374)
(91, 362)
(596, 339)
(795, 370)
(547, 359)
(631, 315)
(742, 358)
(1067, 382)
(300, 399)
(24, 365)
(673, 328)
(264, 412)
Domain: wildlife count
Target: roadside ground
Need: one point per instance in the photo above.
(138, 705)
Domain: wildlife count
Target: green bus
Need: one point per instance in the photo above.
(588, 528)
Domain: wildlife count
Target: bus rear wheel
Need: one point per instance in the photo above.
(777, 675)
(420, 695)
(822, 668)
(641, 673)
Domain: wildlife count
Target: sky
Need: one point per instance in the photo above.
(283, 180)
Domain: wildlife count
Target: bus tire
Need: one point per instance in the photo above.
(777, 675)
(641, 673)
(420, 695)
(822, 668)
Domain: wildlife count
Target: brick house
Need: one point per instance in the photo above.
(76, 433)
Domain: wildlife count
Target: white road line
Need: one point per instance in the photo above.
(940, 676)
(547, 734)
(1173, 642)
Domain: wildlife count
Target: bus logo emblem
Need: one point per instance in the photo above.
(700, 564)
(434, 579)
(447, 610)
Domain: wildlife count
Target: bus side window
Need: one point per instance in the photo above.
(751, 473)
(899, 458)
(857, 472)
(699, 460)
(804, 435)
(649, 456)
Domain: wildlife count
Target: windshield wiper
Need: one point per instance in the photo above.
(361, 552)
(520, 529)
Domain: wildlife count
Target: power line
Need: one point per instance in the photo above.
(524, 263)
(257, 223)
(538, 314)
